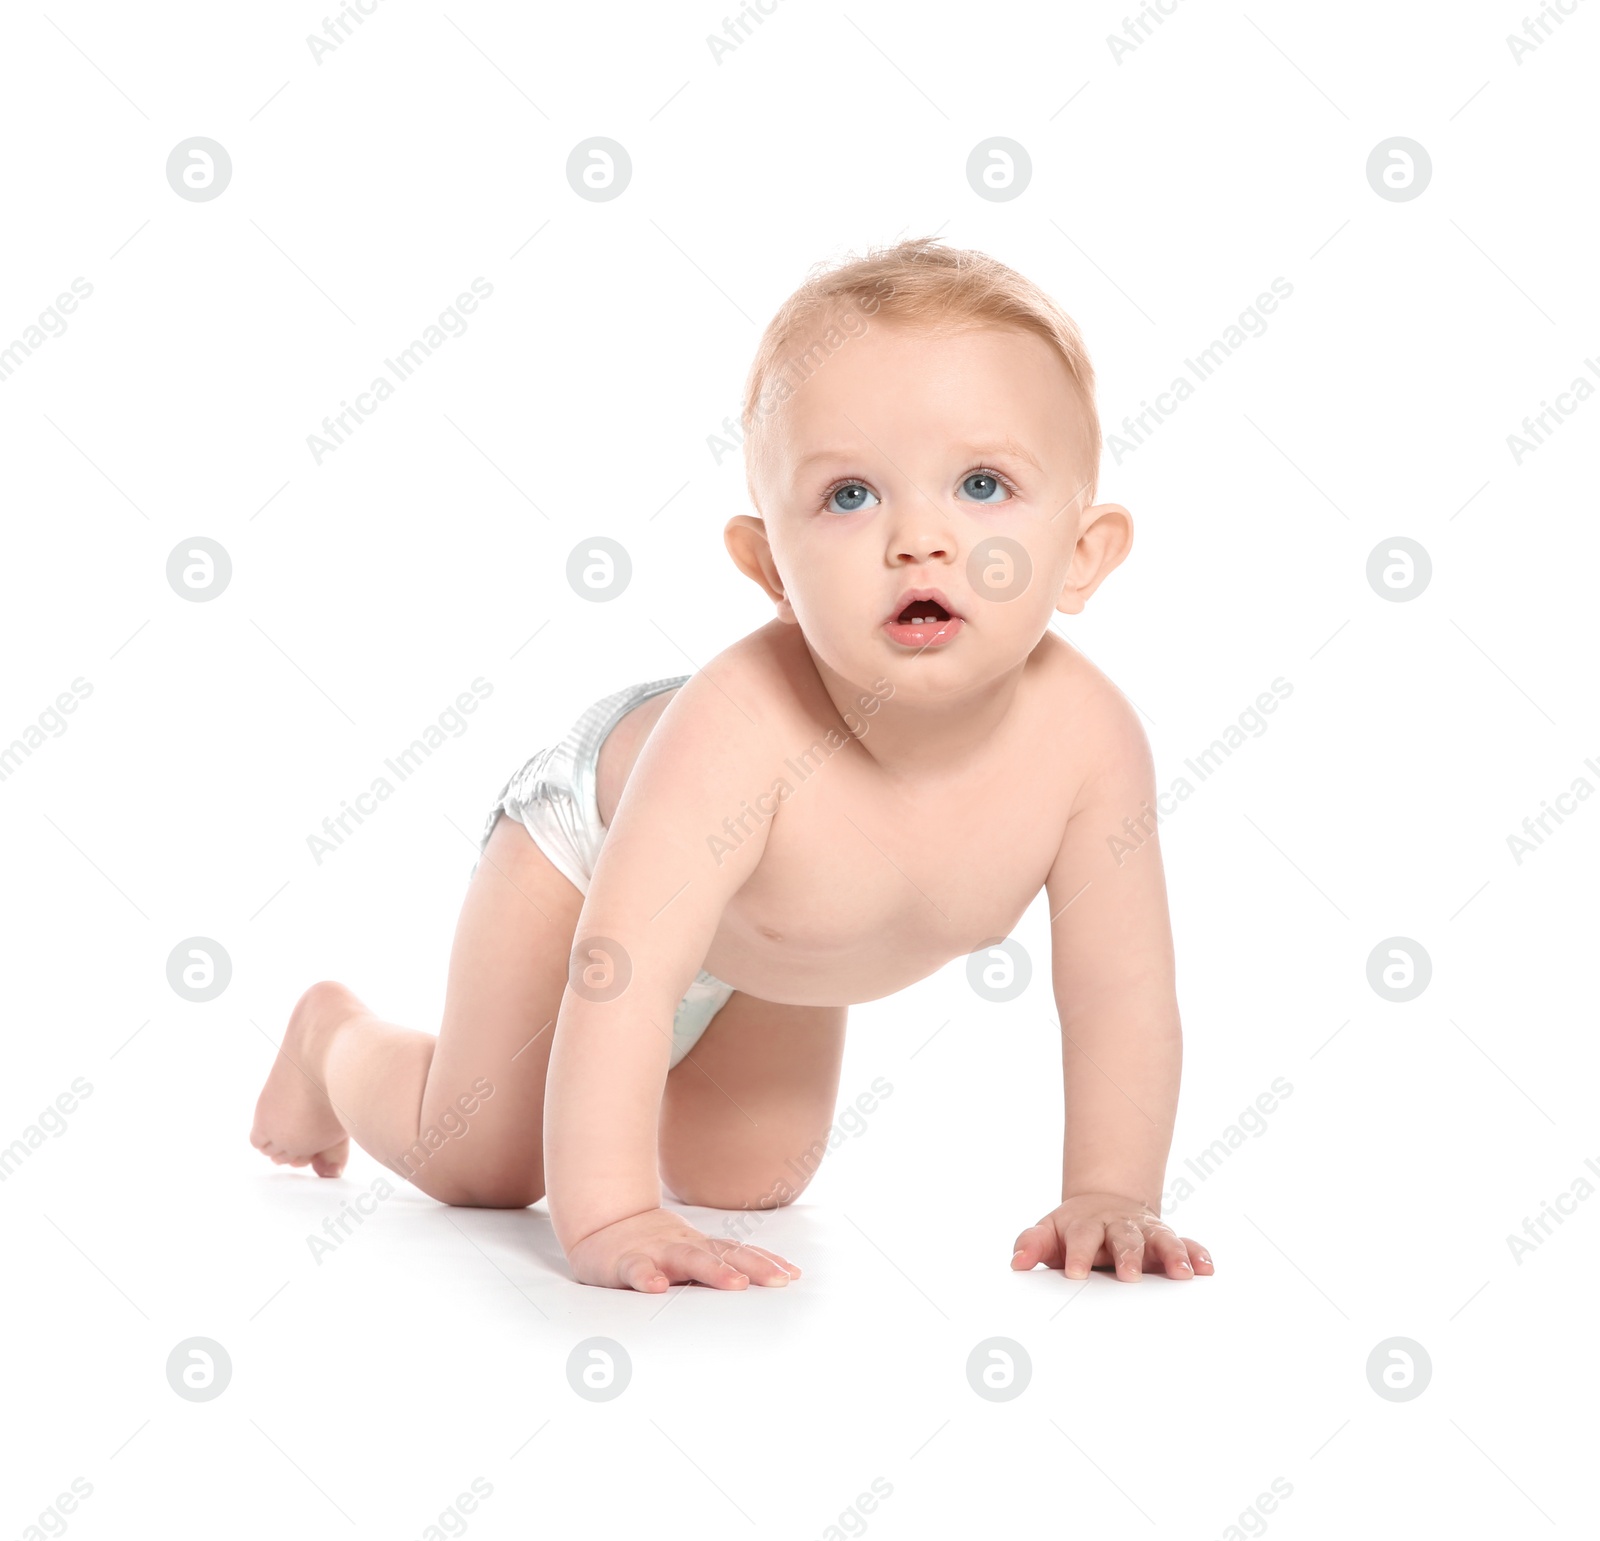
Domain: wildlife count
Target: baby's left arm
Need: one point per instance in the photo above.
(1121, 1041)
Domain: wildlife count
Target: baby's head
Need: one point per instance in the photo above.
(924, 419)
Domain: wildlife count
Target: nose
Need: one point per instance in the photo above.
(923, 535)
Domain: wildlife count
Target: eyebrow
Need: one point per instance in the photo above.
(974, 451)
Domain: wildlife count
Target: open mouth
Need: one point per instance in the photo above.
(923, 611)
(923, 621)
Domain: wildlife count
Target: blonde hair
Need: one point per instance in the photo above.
(921, 282)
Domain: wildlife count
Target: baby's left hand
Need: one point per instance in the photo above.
(1098, 1230)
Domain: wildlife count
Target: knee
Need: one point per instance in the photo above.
(493, 1193)
(732, 1171)
(736, 1190)
(464, 1186)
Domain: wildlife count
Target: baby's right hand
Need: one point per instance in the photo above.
(656, 1249)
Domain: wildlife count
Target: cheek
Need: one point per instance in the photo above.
(825, 567)
(836, 605)
(1026, 613)
(824, 600)
(1004, 573)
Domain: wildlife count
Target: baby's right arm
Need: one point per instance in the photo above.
(653, 907)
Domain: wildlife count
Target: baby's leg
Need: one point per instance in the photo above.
(746, 1114)
(405, 1096)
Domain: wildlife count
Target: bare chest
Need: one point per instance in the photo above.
(864, 888)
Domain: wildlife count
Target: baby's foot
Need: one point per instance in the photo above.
(295, 1123)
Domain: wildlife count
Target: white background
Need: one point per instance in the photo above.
(1168, 190)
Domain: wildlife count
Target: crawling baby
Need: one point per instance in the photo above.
(676, 904)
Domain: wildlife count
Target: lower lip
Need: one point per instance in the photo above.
(927, 634)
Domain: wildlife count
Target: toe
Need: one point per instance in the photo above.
(331, 1162)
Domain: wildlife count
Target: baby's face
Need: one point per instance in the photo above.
(913, 462)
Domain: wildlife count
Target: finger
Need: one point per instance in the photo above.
(1199, 1258)
(1038, 1244)
(694, 1261)
(760, 1266)
(792, 1269)
(1173, 1256)
(638, 1271)
(1082, 1245)
(1126, 1242)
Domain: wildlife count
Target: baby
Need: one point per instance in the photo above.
(676, 905)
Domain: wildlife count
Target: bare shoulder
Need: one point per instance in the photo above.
(713, 739)
(745, 693)
(1103, 736)
(667, 869)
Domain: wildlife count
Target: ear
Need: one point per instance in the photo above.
(1105, 536)
(745, 536)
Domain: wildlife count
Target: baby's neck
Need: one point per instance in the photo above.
(921, 736)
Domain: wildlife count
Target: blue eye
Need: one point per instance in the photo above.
(983, 487)
(851, 497)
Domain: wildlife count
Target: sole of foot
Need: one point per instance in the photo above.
(295, 1124)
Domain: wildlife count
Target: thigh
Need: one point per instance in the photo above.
(746, 1113)
(508, 968)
